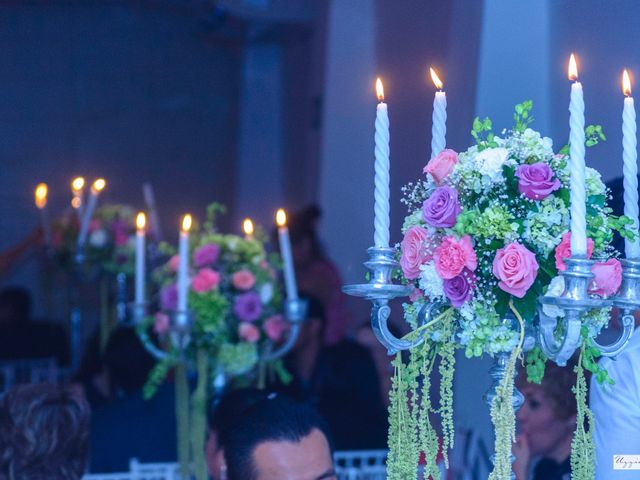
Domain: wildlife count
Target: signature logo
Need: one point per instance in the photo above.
(626, 462)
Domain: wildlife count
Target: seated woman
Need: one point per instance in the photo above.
(44, 433)
(546, 422)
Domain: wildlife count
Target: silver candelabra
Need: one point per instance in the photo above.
(558, 338)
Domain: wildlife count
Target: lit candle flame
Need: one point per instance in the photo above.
(379, 90)
(626, 83)
(41, 195)
(281, 218)
(435, 78)
(77, 184)
(186, 223)
(247, 226)
(573, 68)
(141, 221)
(98, 185)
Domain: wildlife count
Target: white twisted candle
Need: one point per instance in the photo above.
(439, 124)
(630, 173)
(576, 170)
(381, 191)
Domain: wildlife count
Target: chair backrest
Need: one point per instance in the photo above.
(360, 458)
(153, 471)
(37, 370)
(108, 476)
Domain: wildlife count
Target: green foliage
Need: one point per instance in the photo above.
(427, 435)
(281, 372)
(446, 370)
(403, 456)
(483, 134)
(522, 116)
(534, 364)
(583, 455)
(213, 210)
(590, 355)
(504, 421)
(157, 376)
(593, 135)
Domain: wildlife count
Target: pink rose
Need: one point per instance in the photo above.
(415, 251)
(453, 255)
(441, 165)
(205, 280)
(248, 332)
(161, 323)
(516, 268)
(608, 276)
(243, 280)
(174, 263)
(274, 327)
(563, 250)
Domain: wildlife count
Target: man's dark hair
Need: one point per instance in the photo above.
(231, 407)
(276, 419)
(44, 433)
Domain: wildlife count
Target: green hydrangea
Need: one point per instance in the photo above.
(238, 359)
(544, 227)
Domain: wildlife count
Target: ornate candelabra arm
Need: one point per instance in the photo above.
(560, 351)
(179, 334)
(295, 313)
(379, 323)
(150, 347)
(574, 301)
(616, 347)
(380, 290)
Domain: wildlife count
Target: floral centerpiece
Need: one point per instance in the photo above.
(236, 315)
(110, 242)
(487, 234)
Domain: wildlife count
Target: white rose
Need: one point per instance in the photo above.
(490, 162)
(98, 238)
(556, 287)
(266, 293)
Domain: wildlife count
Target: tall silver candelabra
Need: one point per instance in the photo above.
(558, 342)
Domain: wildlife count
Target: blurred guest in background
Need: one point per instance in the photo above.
(278, 439)
(547, 421)
(341, 381)
(616, 411)
(23, 338)
(128, 425)
(44, 433)
(315, 273)
(223, 417)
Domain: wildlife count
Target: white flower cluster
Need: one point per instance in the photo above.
(530, 145)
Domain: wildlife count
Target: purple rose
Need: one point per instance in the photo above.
(442, 208)
(536, 181)
(206, 255)
(169, 297)
(459, 288)
(248, 307)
